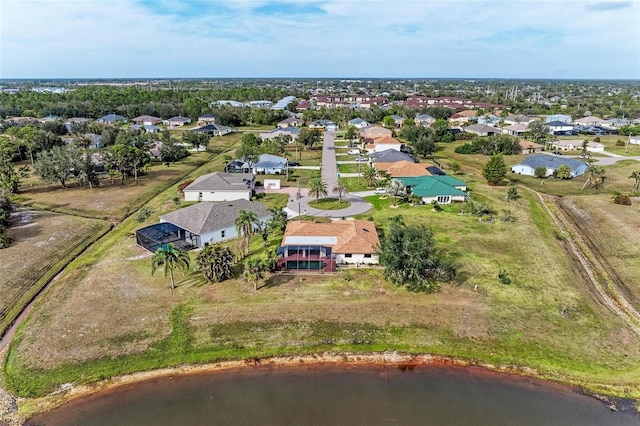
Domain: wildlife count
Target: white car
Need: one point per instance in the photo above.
(380, 191)
(354, 151)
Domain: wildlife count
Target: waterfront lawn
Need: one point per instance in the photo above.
(43, 244)
(107, 315)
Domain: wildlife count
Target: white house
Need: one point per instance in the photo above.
(386, 142)
(549, 162)
(559, 117)
(293, 132)
(210, 223)
(358, 123)
(559, 127)
(518, 129)
(634, 140)
(220, 186)
(177, 121)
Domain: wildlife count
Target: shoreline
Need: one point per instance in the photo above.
(68, 392)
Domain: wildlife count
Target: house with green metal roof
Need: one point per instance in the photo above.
(442, 189)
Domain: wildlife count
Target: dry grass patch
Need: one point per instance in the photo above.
(43, 242)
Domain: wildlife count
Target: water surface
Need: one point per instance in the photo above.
(323, 395)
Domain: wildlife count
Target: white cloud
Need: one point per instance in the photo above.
(49, 38)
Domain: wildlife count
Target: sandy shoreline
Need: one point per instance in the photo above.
(68, 392)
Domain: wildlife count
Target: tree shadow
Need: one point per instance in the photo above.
(278, 280)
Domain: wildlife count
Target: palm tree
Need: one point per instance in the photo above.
(595, 177)
(370, 175)
(169, 258)
(254, 270)
(215, 262)
(318, 188)
(340, 189)
(635, 175)
(245, 225)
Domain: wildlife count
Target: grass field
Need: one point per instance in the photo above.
(43, 244)
(329, 204)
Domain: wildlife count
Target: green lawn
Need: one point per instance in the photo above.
(329, 204)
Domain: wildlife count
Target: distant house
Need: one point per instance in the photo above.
(634, 140)
(482, 130)
(551, 163)
(304, 105)
(390, 156)
(527, 147)
(397, 120)
(617, 122)
(293, 132)
(227, 102)
(270, 165)
(407, 168)
(112, 119)
(75, 121)
(424, 120)
(200, 224)
(309, 245)
(560, 128)
(519, 118)
(591, 120)
(567, 144)
(386, 142)
(291, 122)
(464, 117)
(259, 104)
(148, 128)
(324, 125)
(49, 119)
(489, 120)
(595, 147)
(205, 119)
(559, 117)
(177, 121)
(373, 132)
(147, 120)
(220, 186)
(213, 130)
(518, 129)
(442, 189)
(358, 123)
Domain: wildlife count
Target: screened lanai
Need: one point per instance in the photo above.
(155, 236)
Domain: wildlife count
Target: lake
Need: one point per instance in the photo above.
(347, 395)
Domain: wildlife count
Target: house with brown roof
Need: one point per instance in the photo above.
(403, 168)
(527, 147)
(464, 117)
(147, 120)
(291, 122)
(373, 132)
(307, 245)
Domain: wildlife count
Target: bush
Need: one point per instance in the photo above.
(596, 139)
(620, 142)
(503, 276)
(540, 172)
(184, 184)
(143, 214)
(622, 199)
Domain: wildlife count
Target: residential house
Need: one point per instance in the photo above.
(148, 128)
(291, 122)
(220, 186)
(518, 129)
(177, 121)
(307, 245)
(595, 147)
(213, 129)
(591, 120)
(358, 123)
(527, 147)
(442, 189)
(373, 132)
(463, 117)
(405, 168)
(397, 120)
(112, 119)
(283, 103)
(75, 121)
(259, 104)
(327, 125)
(304, 105)
(519, 118)
(270, 165)
(227, 102)
(385, 142)
(559, 117)
(293, 132)
(551, 163)
(567, 144)
(147, 120)
(634, 140)
(482, 130)
(390, 156)
(200, 224)
(205, 119)
(424, 120)
(559, 128)
(617, 122)
(49, 119)
(489, 119)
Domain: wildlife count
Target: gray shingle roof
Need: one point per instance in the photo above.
(219, 181)
(209, 216)
(391, 156)
(552, 162)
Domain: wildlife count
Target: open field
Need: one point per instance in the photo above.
(115, 201)
(43, 244)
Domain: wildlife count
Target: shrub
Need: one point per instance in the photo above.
(620, 142)
(622, 199)
(143, 214)
(540, 172)
(184, 184)
(596, 139)
(503, 276)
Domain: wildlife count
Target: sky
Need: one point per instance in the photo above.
(555, 39)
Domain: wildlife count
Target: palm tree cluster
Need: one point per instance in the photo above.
(373, 177)
(246, 225)
(215, 262)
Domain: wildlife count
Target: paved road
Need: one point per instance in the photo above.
(329, 167)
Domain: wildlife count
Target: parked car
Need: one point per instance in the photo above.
(354, 151)
(380, 191)
(557, 152)
(293, 163)
(362, 159)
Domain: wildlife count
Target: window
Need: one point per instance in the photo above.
(348, 255)
(222, 233)
(200, 195)
(367, 256)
